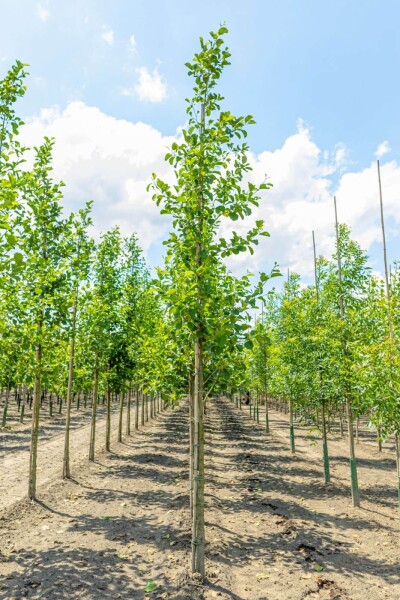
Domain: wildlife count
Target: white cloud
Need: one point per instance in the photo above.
(108, 36)
(382, 149)
(110, 161)
(132, 43)
(302, 200)
(150, 87)
(43, 12)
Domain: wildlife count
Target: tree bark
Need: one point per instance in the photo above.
(94, 414)
(35, 416)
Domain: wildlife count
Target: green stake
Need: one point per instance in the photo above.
(354, 482)
(398, 492)
(292, 445)
(326, 463)
(4, 421)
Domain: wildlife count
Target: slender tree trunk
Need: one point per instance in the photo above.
(137, 396)
(266, 412)
(94, 414)
(325, 444)
(121, 414)
(128, 411)
(108, 418)
(198, 532)
(397, 442)
(353, 462)
(198, 528)
(5, 410)
(142, 412)
(379, 436)
(66, 462)
(35, 416)
(291, 426)
(191, 442)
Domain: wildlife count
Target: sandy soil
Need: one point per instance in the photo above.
(274, 530)
(15, 446)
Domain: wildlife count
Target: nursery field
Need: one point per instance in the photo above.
(274, 530)
(181, 431)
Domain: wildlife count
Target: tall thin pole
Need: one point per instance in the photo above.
(315, 269)
(264, 365)
(198, 525)
(389, 312)
(391, 332)
(291, 423)
(325, 454)
(353, 463)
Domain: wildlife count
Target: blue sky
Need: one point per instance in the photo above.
(330, 64)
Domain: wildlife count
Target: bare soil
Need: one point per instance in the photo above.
(274, 530)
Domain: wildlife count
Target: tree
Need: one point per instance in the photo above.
(78, 247)
(42, 284)
(209, 166)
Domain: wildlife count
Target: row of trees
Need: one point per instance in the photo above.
(331, 349)
(75, 316)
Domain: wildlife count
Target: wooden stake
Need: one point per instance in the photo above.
(325, 454)
(353, 463)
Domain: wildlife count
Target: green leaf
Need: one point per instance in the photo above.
(151, 586)
(318, 568)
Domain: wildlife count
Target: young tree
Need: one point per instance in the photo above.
(209, 166)
(42, 284)
(78, 247)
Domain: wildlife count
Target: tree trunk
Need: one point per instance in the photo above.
(94, 414)
(128, 411)
(108, 418)
(379, 440)
(198, 533)
(5, 410)
(66, 462)
(121, 415)
(191, 447)
(353, 462)
(291, 427)
(137, 409)
(325, 445)
(35, 417)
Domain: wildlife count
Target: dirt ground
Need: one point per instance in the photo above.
(274, 530)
